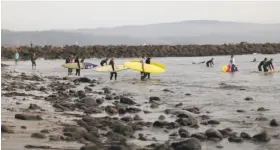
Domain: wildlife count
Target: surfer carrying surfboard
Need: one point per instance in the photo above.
(112, 63)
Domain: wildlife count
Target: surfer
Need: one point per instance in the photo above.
(210, 63)
(254, 60)
(143, 73)
(232, 63)
(261, 64)
(16, 57)
(267, 65)
(148, 61)
(68, 60)
(104, 61)
(77, 70)
(112, 63)
(33, 58)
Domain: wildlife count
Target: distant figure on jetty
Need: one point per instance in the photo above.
(261, 64)
(16, 57)
(112, 63)
(78, 70)
(104, 61)
(33, 58)
(210, 63)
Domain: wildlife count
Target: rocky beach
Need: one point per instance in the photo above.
(189, 107)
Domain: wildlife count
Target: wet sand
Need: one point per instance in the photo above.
(210, 99)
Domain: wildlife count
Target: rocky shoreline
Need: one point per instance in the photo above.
(123, 51)
(56, 109)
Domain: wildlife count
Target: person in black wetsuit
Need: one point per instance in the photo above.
(148, 61)
(78, 70)
(268, 66)
(112, 63)
(68, 61)
(33, 58)
(261, 64)
(104, 61)
(210, 63)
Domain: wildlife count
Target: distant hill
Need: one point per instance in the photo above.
(185, 32)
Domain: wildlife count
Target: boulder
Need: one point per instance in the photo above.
(27, 117)
(213, 134)
(274, 123)
(38, 135)
(126, 100)
(261, 137)
(189, 144)
(6, 129)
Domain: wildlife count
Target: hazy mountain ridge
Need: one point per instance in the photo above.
(184, 32)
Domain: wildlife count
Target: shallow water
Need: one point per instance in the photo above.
(205, 85)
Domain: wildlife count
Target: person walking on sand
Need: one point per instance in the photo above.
(78, 63)
(33, 58)
(112, 63)
(16, 57)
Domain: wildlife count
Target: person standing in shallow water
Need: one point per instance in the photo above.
(33, 58)
(210, 63)
(112, 63)
(16, 57)
(232, 63)
(78, 63)
(261, 64)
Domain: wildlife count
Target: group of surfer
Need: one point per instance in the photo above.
(266, 65)
(143, 61)
(210, 63)
(70, 59)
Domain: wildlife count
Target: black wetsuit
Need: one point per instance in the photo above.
(210, 63)
(267, 65)
(104, 61)
(148, 61)
(33, 61)
(112, 63)
(69, 69)
(261, 64)
(77, 70)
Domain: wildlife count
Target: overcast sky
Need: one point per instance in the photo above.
(73, 15)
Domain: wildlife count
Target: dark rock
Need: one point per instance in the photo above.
(6, 129)
(200, 136)
(90, 101)
(179, 105)
(194, 110)
(172, 125)
(38, 135)
(167, 90)
(109, 97)
(77, 131)
(127, 118)
(154, 98)
(219, 146)
(191, 121)
(111, 110)
(213, 134)
(90, 147)
(189, 144)
(240, 111)
(93, 110)
(133, 110)
(159, 124)
(45, 131)
(99, 101)
(235, 139)
(123, 129)
(81, 94)
(55, 138)
(18, 103)
(27, 117)
(245, 136)
(261, 137)
(227, 132)
(115, 137)
(248, 99)
(117, 97)
(83, 79)
(147, 112)
(23, 127)
(37, 147)
(274, 123)
(183, 133)
(161, 117)
(173, 134)
(183, 115)
(154, 105)
(261, 119)
(87, 89)
(188, 94)
(93, 137)
(42, 88)
(137, 118)
(34, 107)
(126, 100)
(141, 137)
(213, 122)
(107, 90)
(117, 147)
(92, 85)
(261, 109)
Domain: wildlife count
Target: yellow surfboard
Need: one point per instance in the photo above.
(148, 68)
(108, 68)
(153, 63)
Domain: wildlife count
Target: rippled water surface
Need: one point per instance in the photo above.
(215, 93)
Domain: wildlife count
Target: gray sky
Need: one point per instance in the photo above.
(73, 15)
